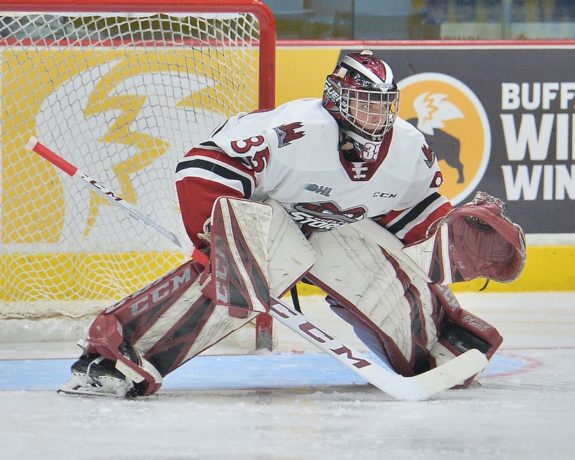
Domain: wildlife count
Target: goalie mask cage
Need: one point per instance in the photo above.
(121, 89)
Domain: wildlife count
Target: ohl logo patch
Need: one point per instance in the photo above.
(455, 125)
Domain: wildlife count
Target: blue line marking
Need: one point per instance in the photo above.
(289, 370)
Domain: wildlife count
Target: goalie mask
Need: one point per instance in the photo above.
(361, 94)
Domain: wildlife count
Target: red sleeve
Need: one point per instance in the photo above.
(419, 231)
(412, 225)
(201, 178)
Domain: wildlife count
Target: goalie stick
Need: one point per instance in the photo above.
(419, 387)
(35, 146)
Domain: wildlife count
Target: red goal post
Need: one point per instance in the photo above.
(122, 89)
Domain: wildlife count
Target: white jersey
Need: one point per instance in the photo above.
(293, 157)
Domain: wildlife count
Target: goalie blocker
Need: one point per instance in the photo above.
(411, 323)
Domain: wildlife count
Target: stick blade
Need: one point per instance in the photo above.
(452, 373)
(427, 384)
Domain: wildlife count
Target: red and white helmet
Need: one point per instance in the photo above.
(361, 94)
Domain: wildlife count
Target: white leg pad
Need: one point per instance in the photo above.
(356, 269)
(290, 255)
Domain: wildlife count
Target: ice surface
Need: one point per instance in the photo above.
(523, 409)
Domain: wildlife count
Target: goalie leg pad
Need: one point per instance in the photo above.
(172, 320)
(155, 330)
(379, 295)
(191, 308)
(412, 324)
(238, 256)
(256, 249)
(461, 331)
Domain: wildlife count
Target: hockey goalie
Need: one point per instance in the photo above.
(276, 197)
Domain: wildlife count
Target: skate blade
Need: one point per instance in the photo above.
(83, 385)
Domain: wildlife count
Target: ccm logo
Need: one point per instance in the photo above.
(384, 195)
(221, 272)
(154, 293)
(317, 334)
(474, 322)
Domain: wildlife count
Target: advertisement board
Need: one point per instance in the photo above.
(499, 116)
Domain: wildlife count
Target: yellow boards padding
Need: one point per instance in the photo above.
(301, 72)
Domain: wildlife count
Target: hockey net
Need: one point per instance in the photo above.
(121, 94)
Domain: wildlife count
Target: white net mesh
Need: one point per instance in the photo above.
(122, 97)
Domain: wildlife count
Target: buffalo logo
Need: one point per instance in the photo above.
(287, 133)
(455, 126)
(324, 216)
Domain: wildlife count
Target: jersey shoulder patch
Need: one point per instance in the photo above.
(292, 127)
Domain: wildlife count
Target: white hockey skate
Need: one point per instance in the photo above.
(97, 376)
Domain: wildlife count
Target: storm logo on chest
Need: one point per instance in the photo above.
(324, 216)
